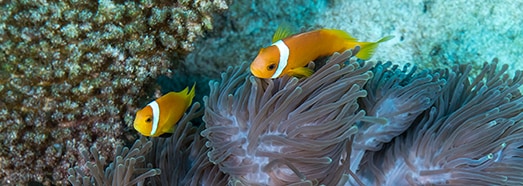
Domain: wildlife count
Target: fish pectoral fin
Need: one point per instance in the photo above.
(301, 72)
(172, 129)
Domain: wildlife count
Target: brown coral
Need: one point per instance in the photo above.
(75, 67)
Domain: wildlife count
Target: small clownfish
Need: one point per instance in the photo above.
(160, 116)
(288, 55)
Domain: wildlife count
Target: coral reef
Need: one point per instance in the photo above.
(72, 74)
(74, 67)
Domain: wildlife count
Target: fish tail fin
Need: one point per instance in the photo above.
(386, 38)
(367, 48)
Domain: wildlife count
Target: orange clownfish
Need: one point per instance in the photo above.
(288, 55)
(160, 116)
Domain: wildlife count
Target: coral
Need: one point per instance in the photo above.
(471, 135)
(286, 131)
(74, 67)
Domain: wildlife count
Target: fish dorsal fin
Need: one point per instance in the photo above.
(282, 32)
(190, 95)
(187, 95)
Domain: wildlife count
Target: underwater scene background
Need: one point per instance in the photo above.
(440, 103)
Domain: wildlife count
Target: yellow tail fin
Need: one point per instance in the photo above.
(368, 48)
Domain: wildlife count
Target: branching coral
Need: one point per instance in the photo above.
(78, 67)
(286, 131)
(471, 135)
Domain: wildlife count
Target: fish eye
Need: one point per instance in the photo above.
(148, 120)
(271, 67)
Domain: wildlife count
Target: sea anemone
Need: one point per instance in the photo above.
(183, 156)
(286, 131)
(128, 168)
(398, 96)
(349, 123)
(174, 155)
(470, 136)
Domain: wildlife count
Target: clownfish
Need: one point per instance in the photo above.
(160, 116)
(288, 55)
